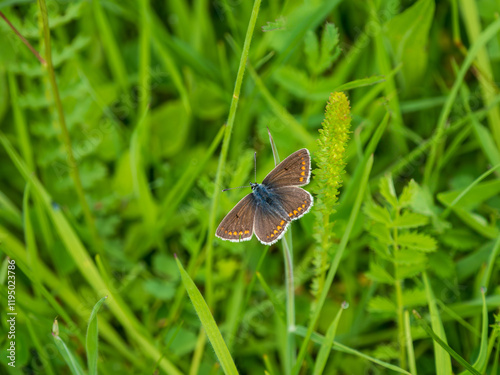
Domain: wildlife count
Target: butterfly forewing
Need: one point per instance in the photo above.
(296, 201)
(295, 170)
(238, 223)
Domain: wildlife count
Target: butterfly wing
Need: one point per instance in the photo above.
(238, 223)
(296, 201)
(295, 170)
(269, 225)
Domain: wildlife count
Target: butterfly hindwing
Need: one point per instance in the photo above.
(295, 200)
(269, 225)
(295, 170)
(238, 223)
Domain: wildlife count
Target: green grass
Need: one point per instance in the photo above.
(114, 152)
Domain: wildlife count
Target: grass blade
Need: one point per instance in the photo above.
(326, 347)
(92, 338)
(68, 356)
(208, 322)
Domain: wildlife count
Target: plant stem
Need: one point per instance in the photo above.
(75, 175)
(224, 151)
(399, 300)
(335, 264)
(290, 307)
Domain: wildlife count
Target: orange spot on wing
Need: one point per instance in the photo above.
(279, 228)
(275, 231)
(303, 168)
(290, 214)
(303, 174)
(272, 235)
(303, 163)
(301, 179)
(241, 232)
(282, 222)
(295, 212)
(300, 208)
(246, 232)
(303, 206)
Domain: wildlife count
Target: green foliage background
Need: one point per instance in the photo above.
(147, 89)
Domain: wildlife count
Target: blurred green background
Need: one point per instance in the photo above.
(101, 184)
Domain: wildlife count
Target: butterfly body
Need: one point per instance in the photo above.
(273, 204)
(267, 199)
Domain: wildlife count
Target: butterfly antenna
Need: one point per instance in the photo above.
(255, 165)
(238, 187)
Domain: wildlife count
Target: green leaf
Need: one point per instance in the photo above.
(381, 233)
(408, 33)
(442, 264)
(409, 257)
(92, 338)
(326, 347)
(474, 197)
(408, 194)
(381, 304)
(377, 213)
(379, 274)
(311, 50)
(460, 238)
(170, 124)
(161, 289)
(68, 356)
(414, 297)
(387, 190)
(329, 48)
(410, 220)
(294, 80)
(208, 322)
(442, 356)
(279, 24)
(417, 241)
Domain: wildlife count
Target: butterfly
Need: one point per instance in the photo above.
(272, 205)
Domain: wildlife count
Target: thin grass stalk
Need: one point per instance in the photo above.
(75, 175)
(289, 283)
(224, 151)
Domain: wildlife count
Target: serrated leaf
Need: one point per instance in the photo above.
(409, 257)
(381, 233)
(408, 194)
(311, 50)
(382, 305)
(410, 220)
(417, 241)
(380, 249)
(379, 274)
(412, 270)
(377, 213)
(329, 47)
(278, 24)
(387, 190)
(414, 297)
